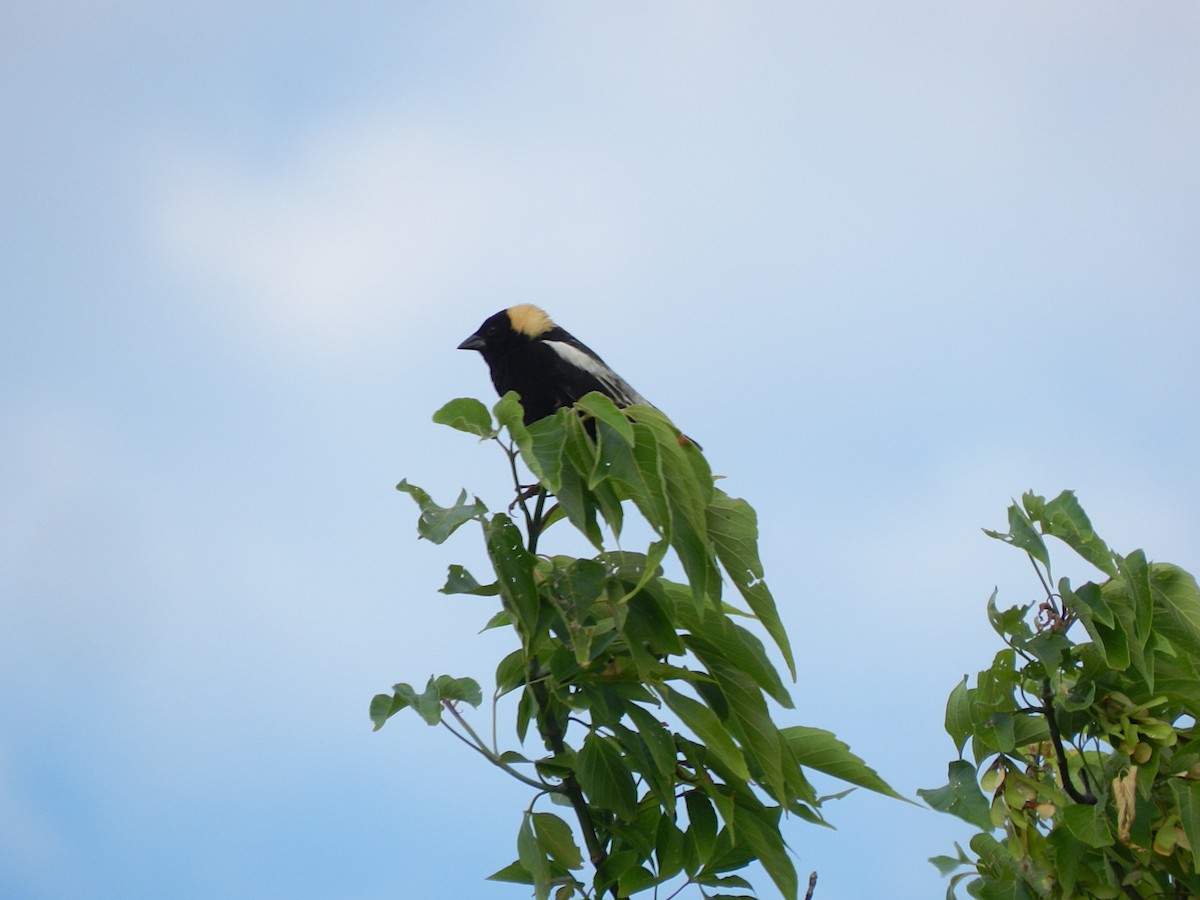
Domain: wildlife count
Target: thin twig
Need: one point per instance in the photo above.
(538, 521)
(480, 748)
(812, 886)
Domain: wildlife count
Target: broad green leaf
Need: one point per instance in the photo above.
(701, 834)
(578, 585)
(540, 443)
(464, 690)
(1011, 622)
(649, 627)
(958, 715)
(960, 796)
(466, 414)
(1135, 571)
(658, 739)
(999, 732)
(427, 704)
(1069, 851)
(1177, 599)
(499, 619)
(718, 637)
(760, 738)
(1064, 518)
(608, 501)
(1187, 795)
(1103, 625)
(634, 880)
(688, 491)
(613, 868)
(533, 858)
(708, 728)
(460, 581)
(602, 408)
(758, 829)
(733, 528)
(669, 849)
(514, 873)
(1087, 823)
(384, 706)
(437, 523)
(554, 836)
(1023, 535)
(605, 777)
(514, 567)
(946, 865)
(578, 458)
(821, 750)
(1050, 649)
(639, 759)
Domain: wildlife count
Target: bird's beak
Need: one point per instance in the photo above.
(474, 342)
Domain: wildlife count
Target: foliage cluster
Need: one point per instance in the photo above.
(652, 701)
(1084, 753)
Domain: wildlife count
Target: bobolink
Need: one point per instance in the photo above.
(527, 353)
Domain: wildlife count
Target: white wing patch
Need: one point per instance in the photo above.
(619, 388)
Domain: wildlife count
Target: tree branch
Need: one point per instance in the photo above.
(1085, 796)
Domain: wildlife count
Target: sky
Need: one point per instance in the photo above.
(891, 264)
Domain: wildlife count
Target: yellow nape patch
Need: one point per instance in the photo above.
(529, 320)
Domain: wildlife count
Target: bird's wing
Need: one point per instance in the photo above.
(580, 357)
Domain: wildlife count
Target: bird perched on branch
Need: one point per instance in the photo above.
(527, 353)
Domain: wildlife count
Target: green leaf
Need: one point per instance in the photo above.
(743, 650)
(603, 409)
(1187, 795)
(701, 834)
(686, 485)
(758, 829)
(510, 673)
(458, 690)
(466, 414)
(1023, 535)
(1177, 607)
(384, 706)
(533, 858)
(613, 868)
(821, 750)
(514, 567)
(659, 742)
(437, 523)
(460, 581)
(668, 847)
(514, 873)
(499, 619)
(750, 720)
(554, 836)
(706, 726)
(1065, 519)
(958, 715)
(1087, 824)
(946, 865)
(961, 796)
(1009, 623)
(605, 777)
(733, 528)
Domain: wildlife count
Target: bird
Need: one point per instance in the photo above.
(528, 353)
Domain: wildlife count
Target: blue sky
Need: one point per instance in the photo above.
(892, 264)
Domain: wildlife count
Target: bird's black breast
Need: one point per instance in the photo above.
(545, 381)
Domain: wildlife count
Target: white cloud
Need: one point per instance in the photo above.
(375, 220)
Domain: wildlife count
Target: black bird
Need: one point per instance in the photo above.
(527, 353)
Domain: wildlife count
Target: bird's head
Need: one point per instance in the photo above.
(508, 329)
